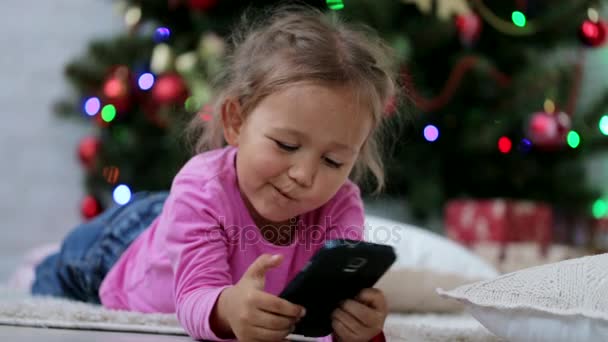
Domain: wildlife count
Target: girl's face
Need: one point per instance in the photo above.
(296, 148)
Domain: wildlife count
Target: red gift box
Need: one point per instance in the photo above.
(470, 221)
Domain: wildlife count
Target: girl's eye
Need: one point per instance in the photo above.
(286, 147)
(332, 163)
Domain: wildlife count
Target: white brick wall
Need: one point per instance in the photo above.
(40, 178)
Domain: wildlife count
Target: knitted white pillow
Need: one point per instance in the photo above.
(564, 301)
(425, 261)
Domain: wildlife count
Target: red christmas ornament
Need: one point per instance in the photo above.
(169, 89)
(592, 33)
(117, 88)
(201, 5)
(549, 131)
(88, 149)
(469, 28)
(90, 207)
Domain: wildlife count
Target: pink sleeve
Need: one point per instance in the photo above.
(346, 214)
(197, 248)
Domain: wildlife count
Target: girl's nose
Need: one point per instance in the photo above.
(304, 171)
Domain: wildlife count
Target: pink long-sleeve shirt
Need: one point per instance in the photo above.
(205, 239)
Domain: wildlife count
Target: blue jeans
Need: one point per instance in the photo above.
(92, 248)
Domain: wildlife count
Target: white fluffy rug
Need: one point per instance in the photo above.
(18, 308)
(436, 327)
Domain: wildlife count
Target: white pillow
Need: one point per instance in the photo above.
(564, 301)
(425, 261)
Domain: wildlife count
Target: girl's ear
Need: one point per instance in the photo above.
(232, 120)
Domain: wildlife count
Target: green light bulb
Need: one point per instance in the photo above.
(604, 125)
(335, 4)
(192, 104)
(599, 208)
(108, 113)
(573, 139)
(519, 19)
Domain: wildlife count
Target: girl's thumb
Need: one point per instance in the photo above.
(262, 264)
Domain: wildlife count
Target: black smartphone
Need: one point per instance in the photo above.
(338, 271)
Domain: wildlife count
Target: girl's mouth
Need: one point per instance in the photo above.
(283, 194)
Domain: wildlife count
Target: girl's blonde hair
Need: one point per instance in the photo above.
(293, 44)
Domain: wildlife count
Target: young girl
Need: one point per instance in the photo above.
(297, 114)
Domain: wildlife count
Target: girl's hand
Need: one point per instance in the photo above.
(255, 315)
(360, 319)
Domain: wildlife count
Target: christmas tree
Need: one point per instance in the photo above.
(488, 107)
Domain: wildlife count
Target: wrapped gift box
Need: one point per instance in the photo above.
(471, 221)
